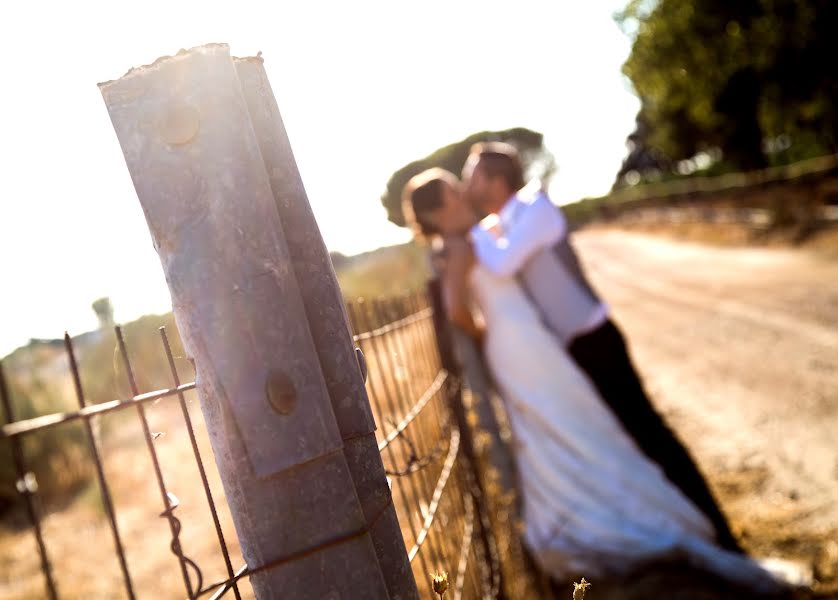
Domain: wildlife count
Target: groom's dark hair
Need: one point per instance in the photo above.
(498, 159)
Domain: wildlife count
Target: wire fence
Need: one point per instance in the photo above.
(427, 455)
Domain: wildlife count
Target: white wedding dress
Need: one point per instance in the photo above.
(593, 504)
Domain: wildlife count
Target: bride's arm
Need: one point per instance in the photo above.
(455, 290)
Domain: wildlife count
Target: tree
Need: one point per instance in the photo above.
(643, 160)
(104, 312)
(736, 76)
(538, 162)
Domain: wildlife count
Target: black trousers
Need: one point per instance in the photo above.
(603, 355)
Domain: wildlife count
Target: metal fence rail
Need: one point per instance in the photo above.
(432, 480)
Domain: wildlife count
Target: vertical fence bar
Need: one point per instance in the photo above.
(455, 397)
(362, 317)
(158, 473)
(107, 499)
(408, 339)
(197, 453)
(27, 489)
(425, 356)
(394, 310)
(387, 351)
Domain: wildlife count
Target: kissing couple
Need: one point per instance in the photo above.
(606, 486)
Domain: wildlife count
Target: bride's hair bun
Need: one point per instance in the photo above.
(422, 195)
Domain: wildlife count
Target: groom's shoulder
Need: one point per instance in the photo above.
(535, 202)
(533, 194)
(530, 192)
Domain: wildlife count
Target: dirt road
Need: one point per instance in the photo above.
(739, 348)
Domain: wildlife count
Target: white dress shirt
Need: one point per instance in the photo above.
(528, 223)
(525, 225)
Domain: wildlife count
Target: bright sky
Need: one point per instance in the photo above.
(71, 227)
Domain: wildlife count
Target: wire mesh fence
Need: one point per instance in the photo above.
(152, 521)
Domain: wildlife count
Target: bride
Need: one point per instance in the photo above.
(593, 504)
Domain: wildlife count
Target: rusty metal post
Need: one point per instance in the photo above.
(185, 130)
(329, 326)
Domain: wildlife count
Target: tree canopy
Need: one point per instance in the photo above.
(538, 161)
(753, 80)
(103, 307)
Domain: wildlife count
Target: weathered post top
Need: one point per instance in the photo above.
(185, 132)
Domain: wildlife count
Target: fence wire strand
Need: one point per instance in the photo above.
(420, 443)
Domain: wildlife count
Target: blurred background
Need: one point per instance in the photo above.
(692, 141)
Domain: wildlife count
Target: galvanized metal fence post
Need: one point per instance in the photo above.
(329, 326)
(189, 143)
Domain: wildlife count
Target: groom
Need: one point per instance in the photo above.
(526, 236)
